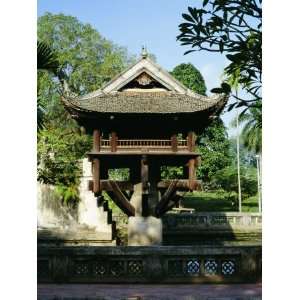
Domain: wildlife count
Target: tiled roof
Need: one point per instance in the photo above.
(144, 103)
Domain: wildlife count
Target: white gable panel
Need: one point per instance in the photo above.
(152, 69)
(145, 65)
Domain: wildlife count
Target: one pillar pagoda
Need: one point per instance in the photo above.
(144, 119)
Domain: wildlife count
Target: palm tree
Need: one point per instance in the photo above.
(46, 58)
(251, 117)
(46, 61)
(252, 130)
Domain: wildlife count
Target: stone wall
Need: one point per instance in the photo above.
(212, 228)
(207, 228)
(164, 264)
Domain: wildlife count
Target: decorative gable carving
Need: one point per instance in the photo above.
(144, 82)
(144, 79)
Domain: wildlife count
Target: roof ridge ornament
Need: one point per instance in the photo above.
(144, 52)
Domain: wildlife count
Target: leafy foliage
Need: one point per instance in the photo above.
(86, 61)
(40, 113)
(252, 129)
(232, 27)
(46, 61)
(171, 172)
(119, 174)
(214, 148)
(190, 76)
(227, 180)
(58, 153)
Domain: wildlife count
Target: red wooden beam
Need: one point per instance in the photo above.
(120, 199)
(182, 185)
(105, 186)
(96, 140)
(165, 199)
(174, 143)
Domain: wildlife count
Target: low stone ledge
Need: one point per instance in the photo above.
(207, 227)
(169, 264)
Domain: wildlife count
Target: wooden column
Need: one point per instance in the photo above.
(113, 142)
(96, 161)
(96, 140)
(174, 142)
(191, 141)
(96, 175)
(192, 173)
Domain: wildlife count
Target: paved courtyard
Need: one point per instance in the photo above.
(149, 292)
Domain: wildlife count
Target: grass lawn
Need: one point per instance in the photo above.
(209, 201)
(217, 201)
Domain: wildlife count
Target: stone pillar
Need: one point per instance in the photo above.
(145, 185)
(154, 178)
(144, 231)
(136, 199)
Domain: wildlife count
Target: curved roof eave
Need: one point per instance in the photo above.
(105, 105)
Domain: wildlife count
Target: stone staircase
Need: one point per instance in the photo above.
(95, 226)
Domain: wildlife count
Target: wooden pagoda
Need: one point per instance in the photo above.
(142, 120)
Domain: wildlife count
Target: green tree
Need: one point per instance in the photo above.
(214, 149)
(232, 27)
(226, 179)
(59, 150)
(87, 61)
(190, 77)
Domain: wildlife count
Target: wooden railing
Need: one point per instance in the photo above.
(145, 144)
(105, 143)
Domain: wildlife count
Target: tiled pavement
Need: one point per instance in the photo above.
(149, 292)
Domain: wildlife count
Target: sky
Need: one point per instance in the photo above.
(134, 23)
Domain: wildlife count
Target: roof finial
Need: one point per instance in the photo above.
(144, 52)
